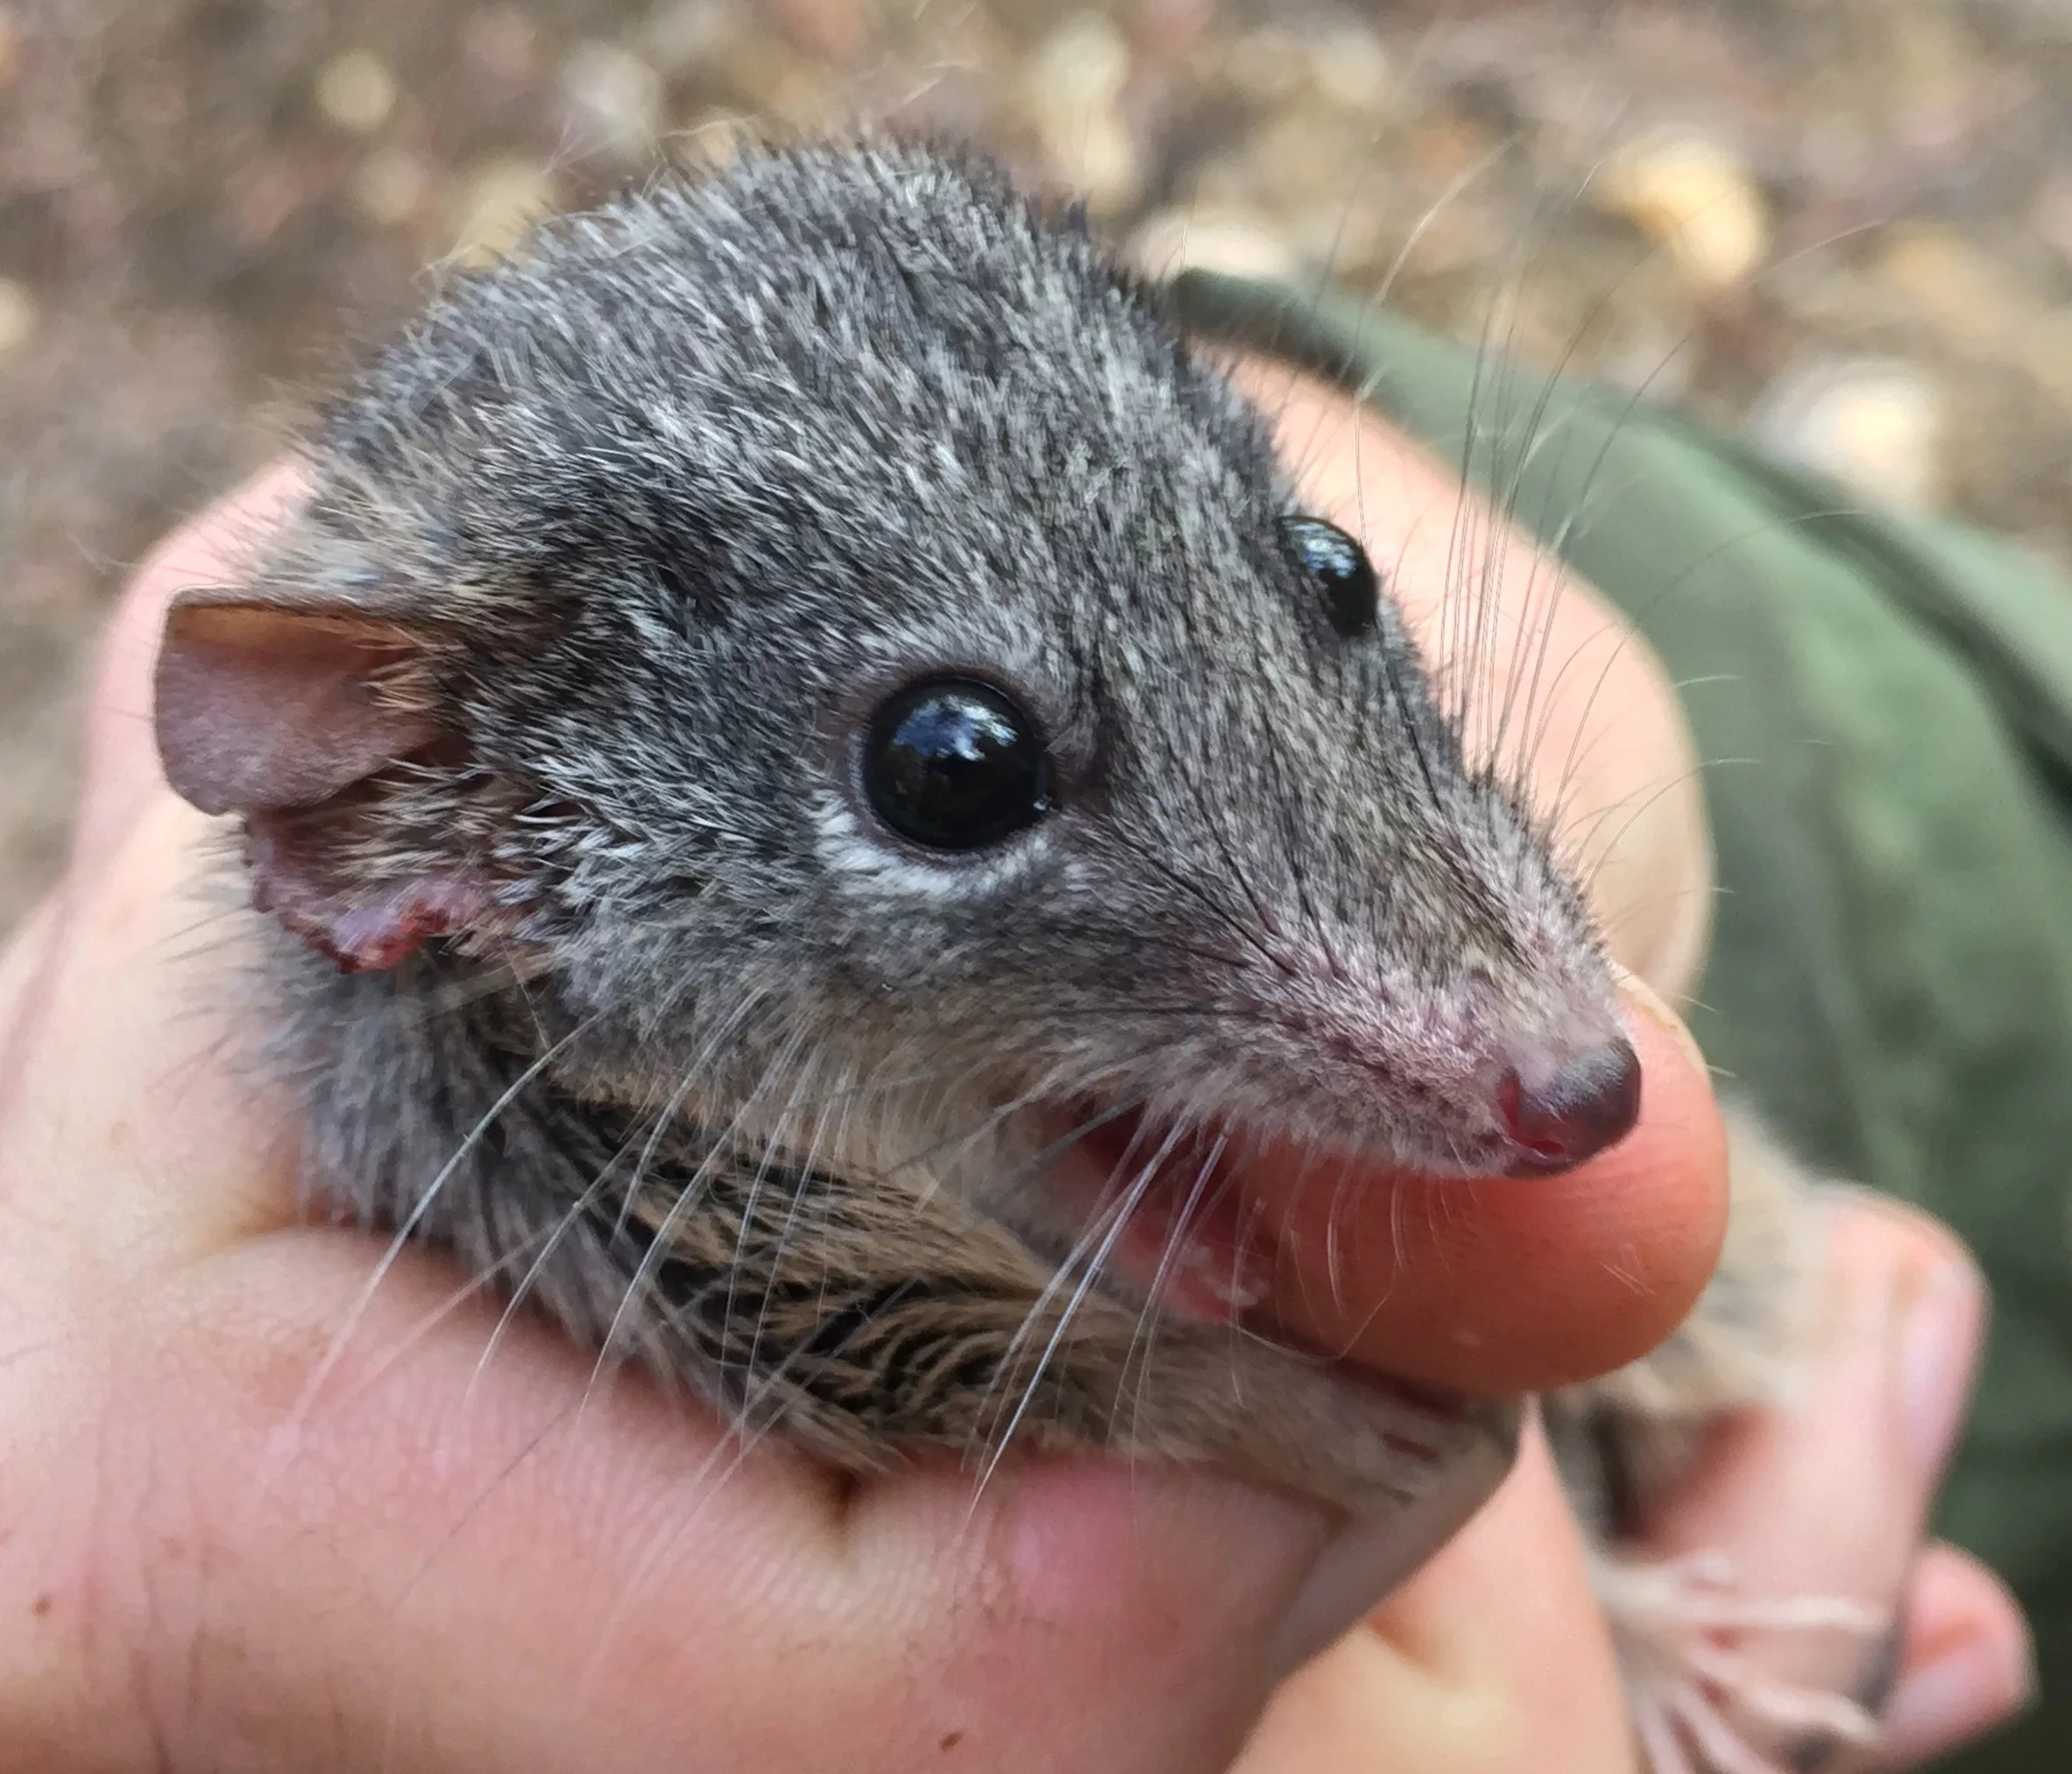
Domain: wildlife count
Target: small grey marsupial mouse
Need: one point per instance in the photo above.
(811, 780)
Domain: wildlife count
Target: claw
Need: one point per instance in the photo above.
(1694, 1699)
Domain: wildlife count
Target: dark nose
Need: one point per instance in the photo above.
(1590, 1103)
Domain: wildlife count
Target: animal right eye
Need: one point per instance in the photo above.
(952, 764)
(1338, 568)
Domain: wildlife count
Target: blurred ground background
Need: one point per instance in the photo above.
(1845, 225)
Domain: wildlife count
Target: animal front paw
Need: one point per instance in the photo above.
(1701, 1702)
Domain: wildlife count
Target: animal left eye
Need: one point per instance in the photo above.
(1340, 570)
(956, 765)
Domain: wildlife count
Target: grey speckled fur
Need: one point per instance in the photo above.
(715, 1070)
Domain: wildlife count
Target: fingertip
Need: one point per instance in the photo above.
(121, 755)
(1968, 1663)
(1953, 1595)
(1516, 1284)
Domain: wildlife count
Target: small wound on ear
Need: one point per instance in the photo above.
(369, 937)
(363, 926)
(276, 713)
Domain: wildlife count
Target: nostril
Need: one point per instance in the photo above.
(1590, 1103)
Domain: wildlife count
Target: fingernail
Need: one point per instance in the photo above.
(1940, 1329)
(1369, 1557)
(1968, 1688)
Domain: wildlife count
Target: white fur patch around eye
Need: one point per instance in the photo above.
(849, 849)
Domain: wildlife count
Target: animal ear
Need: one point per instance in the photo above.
(280, 713)
(262, 707)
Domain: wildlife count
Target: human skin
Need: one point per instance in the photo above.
(266, 1503)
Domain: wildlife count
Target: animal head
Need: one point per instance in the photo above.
(824, 623)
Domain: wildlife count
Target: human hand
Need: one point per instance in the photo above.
(1827, 1500)
(424, 1561)
(1494, 1658)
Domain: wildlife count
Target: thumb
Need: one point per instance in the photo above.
(1492, 1659)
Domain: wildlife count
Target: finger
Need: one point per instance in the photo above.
(445, 1564)
(121, 775)
(119, 1023)
(1532, 1283)
(1492, 1659)
(1554, 689)
(215, 548)
(1965, 1664)
(121, 780)
(1830, 1497)
(1505, 1284)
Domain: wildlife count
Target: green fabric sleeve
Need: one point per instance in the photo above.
(1885, 709)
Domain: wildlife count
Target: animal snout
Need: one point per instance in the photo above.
(1581, 1107)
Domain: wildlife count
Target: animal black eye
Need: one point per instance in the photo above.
(1341, 570)
(955, 765)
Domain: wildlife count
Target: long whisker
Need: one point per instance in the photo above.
(1119, 1220)
(334, 1353)
(1144, 1335)
(718, 1151)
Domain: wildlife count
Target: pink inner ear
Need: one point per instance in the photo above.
(260, 709)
